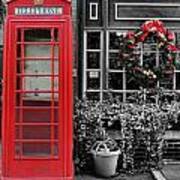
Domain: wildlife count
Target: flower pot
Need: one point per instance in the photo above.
(105, 161)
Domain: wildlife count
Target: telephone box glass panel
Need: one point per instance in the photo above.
(37, 97)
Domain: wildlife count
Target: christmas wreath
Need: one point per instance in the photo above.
(148, 73)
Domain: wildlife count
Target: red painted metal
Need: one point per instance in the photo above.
(37, 133)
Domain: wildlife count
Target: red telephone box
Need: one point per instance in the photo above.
(37, 94)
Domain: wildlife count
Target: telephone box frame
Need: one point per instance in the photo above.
(62, 168)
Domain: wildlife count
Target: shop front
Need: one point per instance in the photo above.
(37, 90)
(103, 25)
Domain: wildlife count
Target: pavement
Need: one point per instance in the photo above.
(171, 172)
(146, 176)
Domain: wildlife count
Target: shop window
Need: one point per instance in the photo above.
(103, 76)
(93, 65)
(93, 11)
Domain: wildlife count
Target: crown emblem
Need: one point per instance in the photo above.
(38, 2)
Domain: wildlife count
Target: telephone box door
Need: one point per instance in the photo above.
(35, 143)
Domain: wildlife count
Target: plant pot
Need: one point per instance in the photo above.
(105, 161)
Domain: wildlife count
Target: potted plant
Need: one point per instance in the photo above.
(105, 152)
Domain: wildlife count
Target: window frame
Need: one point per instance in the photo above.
(124, 91)
(96, 6)
(116, 17)
(86, 70)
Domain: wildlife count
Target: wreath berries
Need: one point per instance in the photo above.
(148, 73)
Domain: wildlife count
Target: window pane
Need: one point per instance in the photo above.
(93, 40)
(149, 59)
(178, 81)
(36, 149)
(34, 132)
(93, 60)
(56, 35)
(150, 45)
(38, 51)
(115, 39)
(131, 83)
(36, 99)
(36, 113)
(93, 80)
(37, 35)
(167, 81)
(115, 80)
(114, 62)
(177, 38)
(93, 96)
(117, 96)
(40, 67)
(178, 61)
(39, 83)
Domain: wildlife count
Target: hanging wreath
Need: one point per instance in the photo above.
(148, 73)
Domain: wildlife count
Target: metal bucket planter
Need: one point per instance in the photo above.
(105, 160)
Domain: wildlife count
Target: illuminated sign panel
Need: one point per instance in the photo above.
(38, 10)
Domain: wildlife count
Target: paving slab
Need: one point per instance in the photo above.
(171, 171)
(145, 176)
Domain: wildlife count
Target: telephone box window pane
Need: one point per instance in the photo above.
(19, 35)
(115, 81)
(43, 98)
(93, 40)
(93, 60)
(18, 149)
(37, 114)
(37, 35)
(93, 80)
(37, 83)
(36, 149)
(40, 67)
(56, 149)
(34, 132)
(56, 51)
(40, 83)
(93, 96)
(38, 51)
(18, 50)
(56, 35)
(34, 115)
(36, 99)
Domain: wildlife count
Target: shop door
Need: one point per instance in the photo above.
(36, 88)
